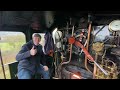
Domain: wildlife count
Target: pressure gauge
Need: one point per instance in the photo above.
(114, 25)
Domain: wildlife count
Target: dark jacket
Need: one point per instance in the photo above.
(30, 62)
(49, 44)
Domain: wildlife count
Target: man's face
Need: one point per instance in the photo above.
(36, 40)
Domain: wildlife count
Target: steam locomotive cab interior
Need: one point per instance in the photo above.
(86, 44)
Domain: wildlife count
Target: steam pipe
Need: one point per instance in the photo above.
(88, 39)
(70, 50)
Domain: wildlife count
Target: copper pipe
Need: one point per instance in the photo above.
(87, 46)
(70, 49)
(62, 63)
(90, 57)
(95, 67)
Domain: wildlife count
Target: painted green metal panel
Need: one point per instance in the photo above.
(13, 70)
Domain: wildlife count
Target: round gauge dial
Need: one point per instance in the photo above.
(114, 25)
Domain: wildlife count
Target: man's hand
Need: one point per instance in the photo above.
(45, 68)
(33, 51)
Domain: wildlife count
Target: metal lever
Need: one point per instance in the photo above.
(101, 68)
